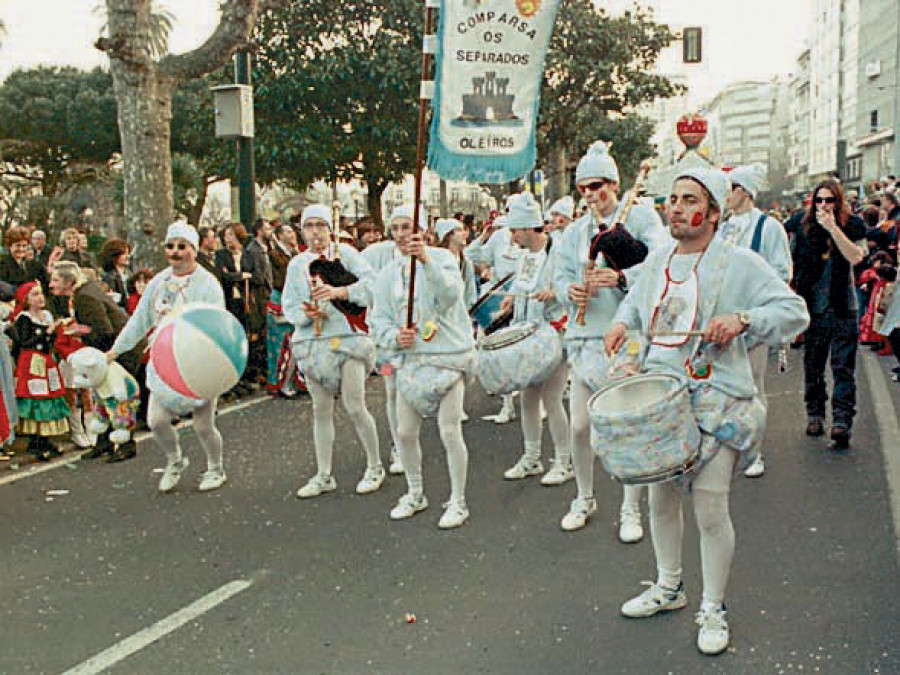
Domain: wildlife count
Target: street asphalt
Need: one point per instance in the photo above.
(336, 587)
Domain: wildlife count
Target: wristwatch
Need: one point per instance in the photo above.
(744, 318)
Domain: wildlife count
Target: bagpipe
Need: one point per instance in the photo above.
(619, 247)
(333, 273)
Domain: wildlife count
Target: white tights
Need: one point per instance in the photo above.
(159, 419)
(409, 424)
(390, 393)
(583, 456)
(353, 396)
(550, 392)
(710, 490)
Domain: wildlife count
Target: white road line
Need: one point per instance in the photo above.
(889, 431)
(38, 469)
(125, 648)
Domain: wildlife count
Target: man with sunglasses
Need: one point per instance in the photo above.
(751, 228)
(600, 290)
(183, 282)
(701, 282)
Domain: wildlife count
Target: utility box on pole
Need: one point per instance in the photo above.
(233, 105)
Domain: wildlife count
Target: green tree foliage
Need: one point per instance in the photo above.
(57, 126)
(58, 130)
(598, 69)
(337, 92)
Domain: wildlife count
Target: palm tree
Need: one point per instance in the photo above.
(161, 23)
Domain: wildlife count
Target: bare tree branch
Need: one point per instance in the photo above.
(232, 33)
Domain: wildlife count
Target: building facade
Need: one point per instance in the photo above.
(877, 92)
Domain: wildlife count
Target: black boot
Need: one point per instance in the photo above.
(103, 446)
(123, 452)
(42, 449)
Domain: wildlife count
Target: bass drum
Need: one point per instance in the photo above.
(520, 356)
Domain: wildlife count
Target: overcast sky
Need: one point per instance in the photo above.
(744, 40)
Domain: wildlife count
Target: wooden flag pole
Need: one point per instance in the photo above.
(425, 93)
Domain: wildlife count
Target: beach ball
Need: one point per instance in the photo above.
(200, 351)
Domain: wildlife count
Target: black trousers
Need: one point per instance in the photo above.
(838, 338)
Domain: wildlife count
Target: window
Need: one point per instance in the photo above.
(873, 121)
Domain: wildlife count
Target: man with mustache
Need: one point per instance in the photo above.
(183, 282)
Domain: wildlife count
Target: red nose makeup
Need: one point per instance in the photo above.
(602, 196)
(697, 220)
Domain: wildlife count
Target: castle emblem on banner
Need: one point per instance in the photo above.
(528, 8)
(489, 105)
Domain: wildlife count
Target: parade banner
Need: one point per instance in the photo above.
(490, 60)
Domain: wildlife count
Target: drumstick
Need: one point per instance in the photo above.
(676, 333)
(514, 295)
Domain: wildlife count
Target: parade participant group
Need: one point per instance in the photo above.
(699, 303)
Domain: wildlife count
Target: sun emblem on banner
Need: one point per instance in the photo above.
(528, 8)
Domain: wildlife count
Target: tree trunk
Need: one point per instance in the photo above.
(373, 202)
(145, 115)
(558, 179)
(143, 89)
(195, 212)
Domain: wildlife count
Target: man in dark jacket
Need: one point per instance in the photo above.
(255, 262)
(828, 243)
(207, 252)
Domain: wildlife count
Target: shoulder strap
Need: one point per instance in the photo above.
(756, 244)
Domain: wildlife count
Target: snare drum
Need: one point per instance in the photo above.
(518, 357)
(486, 309)
(644, 430)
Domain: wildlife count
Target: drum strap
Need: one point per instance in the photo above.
(756, 243)
(714, 282)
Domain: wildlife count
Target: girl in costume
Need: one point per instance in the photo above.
(40, 392)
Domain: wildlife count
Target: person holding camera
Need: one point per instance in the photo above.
(829, 242)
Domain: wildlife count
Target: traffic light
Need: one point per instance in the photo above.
(692, 44)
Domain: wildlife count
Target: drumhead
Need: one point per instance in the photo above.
(508, 336)
(634, 394)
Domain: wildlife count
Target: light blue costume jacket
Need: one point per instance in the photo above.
(164, 293)
(297, 291)
(438, 298)
(381, 254)
(499, 253)
(774, 248)
(529, 309)
(571, 259)
(744, 284)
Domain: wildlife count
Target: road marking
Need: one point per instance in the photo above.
(130, 645)
(888, 430)
(38, 469)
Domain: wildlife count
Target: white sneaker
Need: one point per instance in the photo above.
(579, 511)
(172, 474)
(371, 480)
(524, 468)
(559, 473)
(757, 469)
(630, 529)
(654, 600)
(507, 412)
(396, 466)
(212, 480)
(713, 636)
(456, 514)
(316, 486)
(408, 506)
